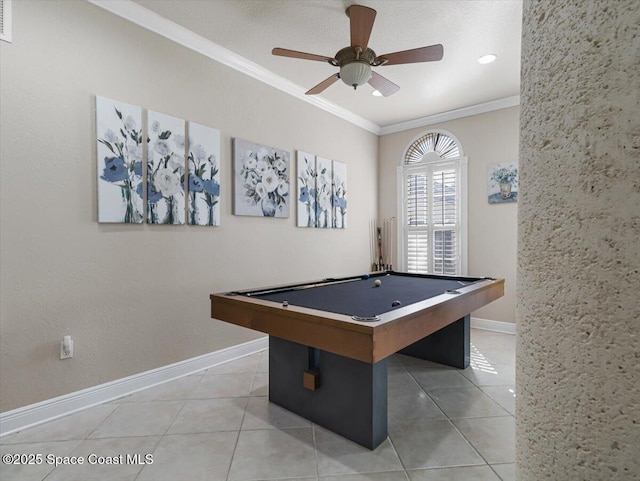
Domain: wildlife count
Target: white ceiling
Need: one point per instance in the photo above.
(467, 29)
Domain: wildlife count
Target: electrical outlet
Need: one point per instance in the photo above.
(66, 348)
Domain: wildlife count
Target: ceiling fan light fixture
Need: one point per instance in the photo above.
(355, 73)
(355, 61)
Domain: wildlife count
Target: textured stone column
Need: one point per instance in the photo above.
(578, 347)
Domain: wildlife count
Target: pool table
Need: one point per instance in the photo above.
(329, 339)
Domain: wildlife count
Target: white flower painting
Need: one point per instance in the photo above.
(306, 189)
(165, 169)
(503, 183)
(323, 192)
(261, 180)
(339, 196)
(204, 175)
(119, 155)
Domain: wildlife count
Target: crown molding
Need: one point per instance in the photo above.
(149, 20)
(452, 115)
(483, 108)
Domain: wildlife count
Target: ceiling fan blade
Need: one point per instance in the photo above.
(423, 54)
(362, 19)
(323, 85)
(283, 52)
(383, 85)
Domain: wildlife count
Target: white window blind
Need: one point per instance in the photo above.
(432, 207)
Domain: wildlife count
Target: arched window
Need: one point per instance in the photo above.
(433, 205)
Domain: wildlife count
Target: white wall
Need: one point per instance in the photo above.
(492, 228)
(135, 297)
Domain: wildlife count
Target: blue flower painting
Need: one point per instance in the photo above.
(165, 169)
(503, 183)
(204, 175)
(339, 195)
(261, 180)
(324, 187)
(306, 192)
(119, 154)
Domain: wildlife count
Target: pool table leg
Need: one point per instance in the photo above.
(451, 345)
(351, 399)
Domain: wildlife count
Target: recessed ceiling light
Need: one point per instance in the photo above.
(375, 93)
(487, 58)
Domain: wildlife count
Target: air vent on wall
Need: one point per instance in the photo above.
(5, 20)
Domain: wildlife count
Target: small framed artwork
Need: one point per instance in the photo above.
(204, 175)
(261, 180)
(503, 183)
(306, 189)
(324, 180)
(339, 196)
(119, 154)
(165, 169)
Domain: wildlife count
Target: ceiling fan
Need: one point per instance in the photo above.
(355, 61)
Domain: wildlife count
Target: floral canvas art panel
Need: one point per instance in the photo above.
(339, 195)
(324, 180)
(503, 183)
(306, 189)
(165, 169)
(261, 176)
(203, 175)
(119, 155)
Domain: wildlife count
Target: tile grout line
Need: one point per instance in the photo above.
(393, 446)
(315, 449)
(244, 414)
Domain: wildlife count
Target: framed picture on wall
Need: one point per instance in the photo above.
(503, 183)
(306, 189)
(119, 154)
(261, 180)
(324, 180)
(339, 195)
(165, 169)
(204, 175)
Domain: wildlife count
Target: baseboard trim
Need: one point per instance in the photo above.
(489, 325)
(50, 409)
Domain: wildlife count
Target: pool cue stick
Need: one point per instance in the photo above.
(389, 252)
(390, 248)
(386, 243)
(380, 258)
(377, 246)
(372, 244)
(372, 236)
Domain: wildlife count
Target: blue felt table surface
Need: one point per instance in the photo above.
(362, 298)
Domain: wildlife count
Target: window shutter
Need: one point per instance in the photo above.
(445, 252)
(418, 222)
(445, 221)
(417, 200)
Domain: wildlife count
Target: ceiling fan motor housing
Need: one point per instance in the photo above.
(355, 65)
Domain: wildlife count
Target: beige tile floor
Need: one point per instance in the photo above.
(444, 425)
